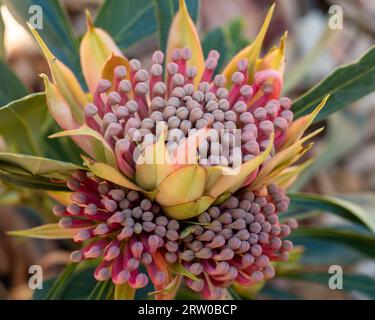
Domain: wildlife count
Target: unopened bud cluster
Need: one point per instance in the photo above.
(233, 242)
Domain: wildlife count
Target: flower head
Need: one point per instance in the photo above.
(187, 167)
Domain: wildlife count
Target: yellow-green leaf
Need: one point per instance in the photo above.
(38, 166)
(47, 231)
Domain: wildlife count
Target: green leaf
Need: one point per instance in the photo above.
(37, 166)
(129, 21)
(345, 85)
(342, 208)
(235, 37)
(21, 122)
(362, 242)
(19, 177)
(11, 87)
(215, 39)
(57, 32)
(351, 282)
(318, 252)
(45, 231)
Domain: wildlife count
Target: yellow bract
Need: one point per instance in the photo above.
(299, 126)
(287, 177)
(184, 185)
(252, 51)
(188, 210)
(154, 165)
(101, 150)
(109, 67)
(184, 34)
(275, 58)
(65, 81)
(96, 47)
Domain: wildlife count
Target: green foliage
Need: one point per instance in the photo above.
(11, 87)
(346, 84)
(342, 208)
(130, 21)
(21, 123)
(34, 172)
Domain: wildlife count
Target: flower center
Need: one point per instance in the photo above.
(240, 116)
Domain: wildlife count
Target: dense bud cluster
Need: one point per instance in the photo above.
(237, 241)
(232, 242)
(119, 225)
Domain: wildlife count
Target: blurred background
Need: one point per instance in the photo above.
(345, 153)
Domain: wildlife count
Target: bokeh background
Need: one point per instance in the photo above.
(345, 152)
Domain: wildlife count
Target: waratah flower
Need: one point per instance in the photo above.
(173, 142)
